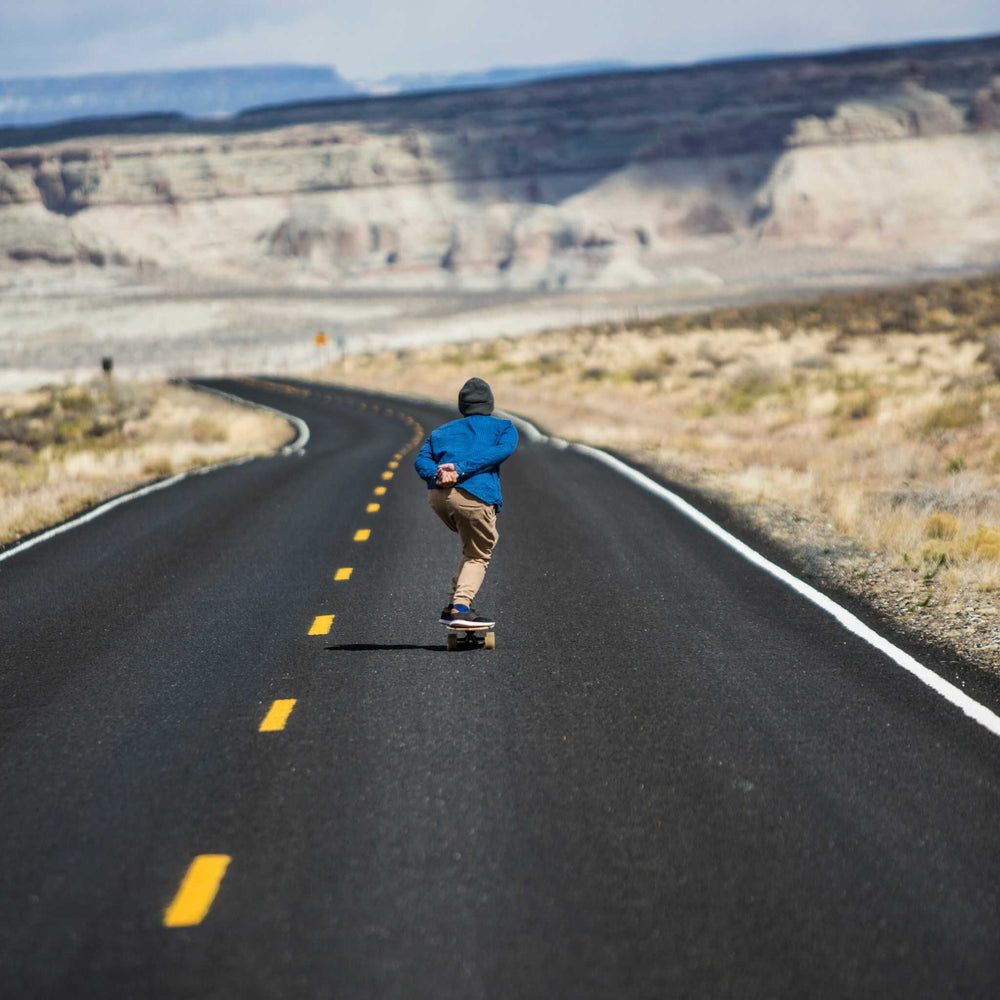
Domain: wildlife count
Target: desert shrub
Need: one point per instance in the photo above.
(940, 319)
(205, 430)
(593, 374)
(813, 364)
(942, 525)
(547, 364)
(68, 506)
(750, 386)
(42, 411)
(985, 543)
(70, 429)
(456, 356)
(77, 399)
(18, 455)
(857, 404)
(934, 558)
(863, 407)
(954, 415)
(991, 352)
(160, 466)
(645, 373)
(706, 352)
(102, 427)
(14, 430)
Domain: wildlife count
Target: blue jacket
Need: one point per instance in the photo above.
(476, 446)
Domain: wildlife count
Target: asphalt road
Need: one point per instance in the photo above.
(672, 778)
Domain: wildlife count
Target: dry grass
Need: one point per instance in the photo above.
(863, 428)
(65, 449)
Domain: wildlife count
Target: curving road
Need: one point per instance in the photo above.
(673, 777)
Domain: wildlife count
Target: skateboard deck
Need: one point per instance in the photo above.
(470, 638)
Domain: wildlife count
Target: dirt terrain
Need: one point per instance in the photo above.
(65, 449)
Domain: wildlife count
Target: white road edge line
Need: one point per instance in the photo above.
(296, 446)
(980, 713)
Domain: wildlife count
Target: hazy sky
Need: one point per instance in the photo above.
(372, 38)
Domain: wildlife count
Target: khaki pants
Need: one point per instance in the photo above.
(476, 524)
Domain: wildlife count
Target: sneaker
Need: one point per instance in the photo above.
(462, 617)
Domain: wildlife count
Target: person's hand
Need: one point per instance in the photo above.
(446, 475)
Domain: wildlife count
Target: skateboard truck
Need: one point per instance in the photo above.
(470, 638)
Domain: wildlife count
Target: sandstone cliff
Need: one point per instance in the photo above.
(621, 180)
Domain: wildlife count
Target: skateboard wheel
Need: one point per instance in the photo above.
(452, 641)
(490, 640)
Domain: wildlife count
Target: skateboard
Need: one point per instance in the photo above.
(471, 638)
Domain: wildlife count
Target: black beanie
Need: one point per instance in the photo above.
(475, 397)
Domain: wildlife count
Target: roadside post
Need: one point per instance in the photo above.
(321, 342)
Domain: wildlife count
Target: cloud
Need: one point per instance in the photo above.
(383, 36)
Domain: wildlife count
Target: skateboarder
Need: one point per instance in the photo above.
(460, 462)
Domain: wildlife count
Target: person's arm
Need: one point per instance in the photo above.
(425, 464)
(492, 456)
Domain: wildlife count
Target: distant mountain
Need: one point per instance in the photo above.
(213, 93)
(200, 93)
(503, 76)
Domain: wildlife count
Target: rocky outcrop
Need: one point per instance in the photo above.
(911, 113)
(940, 191)
(68, 185)
(29, 233)
(985, 114)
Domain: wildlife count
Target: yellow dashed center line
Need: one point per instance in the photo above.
(203, 878)
(321, 625)
(276, 718)
(197, 891)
